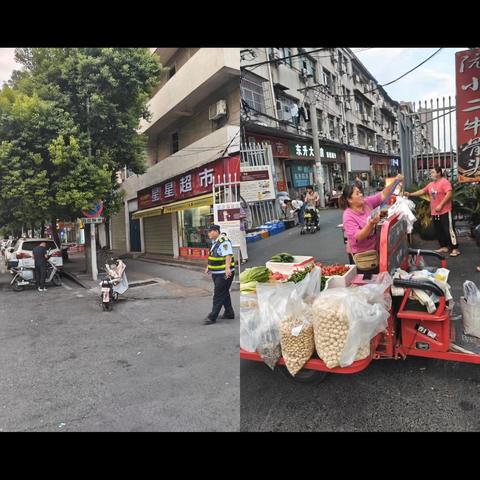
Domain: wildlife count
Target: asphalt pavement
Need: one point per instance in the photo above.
(150, 365)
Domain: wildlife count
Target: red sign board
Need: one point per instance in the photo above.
(188, 252)
(279, 146)
(467, 68)
(191, 184)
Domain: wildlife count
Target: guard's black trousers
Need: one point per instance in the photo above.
(221, 295)
(40, 274)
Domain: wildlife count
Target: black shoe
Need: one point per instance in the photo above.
(207, 321)
(228, 317)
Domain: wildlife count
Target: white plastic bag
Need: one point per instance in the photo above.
(405, 209)
(471, 292)
(249, 328)
(470, 308)
(363, 311)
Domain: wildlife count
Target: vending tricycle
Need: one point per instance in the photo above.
(411, 329)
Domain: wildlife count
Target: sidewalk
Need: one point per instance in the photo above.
(143, 270)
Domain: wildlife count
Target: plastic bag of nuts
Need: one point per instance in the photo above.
(296, 339)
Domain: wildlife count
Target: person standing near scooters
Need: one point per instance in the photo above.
(40, 257)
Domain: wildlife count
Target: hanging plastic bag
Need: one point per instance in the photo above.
(470, 308)
(404, 208)
(296, 334)
(346, 319)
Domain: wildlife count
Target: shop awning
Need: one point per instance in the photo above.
(149, 212)
(201, 201)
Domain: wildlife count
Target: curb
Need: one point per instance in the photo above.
(74, 277)
(172, 264)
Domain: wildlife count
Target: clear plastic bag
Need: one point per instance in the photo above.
(470, 308)
(296, 334)
(471, 292)
(346, 319)
(249, 326)
(274, 301)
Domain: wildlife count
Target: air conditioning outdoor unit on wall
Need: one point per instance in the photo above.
(217, 110)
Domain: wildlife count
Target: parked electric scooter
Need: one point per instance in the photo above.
(25, 277)
(114, 284)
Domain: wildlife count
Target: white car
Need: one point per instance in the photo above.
(21, 253)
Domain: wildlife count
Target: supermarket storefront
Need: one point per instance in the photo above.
(177, 213)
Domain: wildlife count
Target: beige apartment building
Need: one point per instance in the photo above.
(193, 139)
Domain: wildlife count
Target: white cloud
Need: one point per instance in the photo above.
(7, 64)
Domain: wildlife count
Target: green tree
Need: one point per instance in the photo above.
(70, 118)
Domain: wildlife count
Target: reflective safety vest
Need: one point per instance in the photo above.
(217, 264)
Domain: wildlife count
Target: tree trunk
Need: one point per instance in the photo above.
(55, 236)
(33, 230)
(42, 229)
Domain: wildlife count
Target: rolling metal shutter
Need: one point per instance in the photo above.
(119, 239)
(158, 234)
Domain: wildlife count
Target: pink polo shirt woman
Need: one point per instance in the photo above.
(354, 221)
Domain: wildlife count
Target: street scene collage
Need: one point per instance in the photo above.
(249, 239)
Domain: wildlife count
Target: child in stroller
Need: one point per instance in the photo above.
(311, 220)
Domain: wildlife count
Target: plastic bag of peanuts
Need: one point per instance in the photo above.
(346, 319)
(296, 335)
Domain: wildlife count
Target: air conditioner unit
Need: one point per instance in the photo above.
(365, 117)
(217, 110)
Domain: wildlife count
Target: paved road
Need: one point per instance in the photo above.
(412, 395)
(148, 366)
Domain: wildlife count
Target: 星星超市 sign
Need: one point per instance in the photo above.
(300, 150)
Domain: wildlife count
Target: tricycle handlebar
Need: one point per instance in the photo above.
(418, 251)
(423, 285)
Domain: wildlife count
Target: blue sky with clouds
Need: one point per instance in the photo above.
(436, 78)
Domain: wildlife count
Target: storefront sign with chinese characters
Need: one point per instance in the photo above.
(257, 183)
(467, 68)
(191, 184)
(299, 150)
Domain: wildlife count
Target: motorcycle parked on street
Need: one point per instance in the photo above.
(25, 277)
(113, 285)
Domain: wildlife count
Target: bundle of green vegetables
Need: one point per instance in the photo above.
(251, 276)
(282, 258)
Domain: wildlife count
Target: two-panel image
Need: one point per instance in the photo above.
(239, 239)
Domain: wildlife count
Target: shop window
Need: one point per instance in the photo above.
(193, 225)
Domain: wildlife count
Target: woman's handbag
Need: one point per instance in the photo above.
(366, 260)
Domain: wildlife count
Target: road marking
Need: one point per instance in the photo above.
(66, 286)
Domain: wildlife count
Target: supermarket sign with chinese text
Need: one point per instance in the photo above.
(256, 183)
(191, 184)
(467, 69)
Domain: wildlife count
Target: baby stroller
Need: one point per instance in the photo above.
(311, 221)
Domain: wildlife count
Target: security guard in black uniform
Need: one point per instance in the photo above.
(221, 265)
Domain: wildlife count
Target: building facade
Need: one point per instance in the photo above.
(356, 119)
(193, 140)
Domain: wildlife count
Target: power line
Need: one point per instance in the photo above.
(302, 54)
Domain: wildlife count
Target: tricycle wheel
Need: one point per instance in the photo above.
(16, 287)
(305, 375)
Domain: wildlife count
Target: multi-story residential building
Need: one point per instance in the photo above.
(193, 137)
(357, 120)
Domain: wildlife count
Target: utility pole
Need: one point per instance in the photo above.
(93, 243)
(316, 144)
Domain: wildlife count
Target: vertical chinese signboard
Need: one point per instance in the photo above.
(467, 68)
